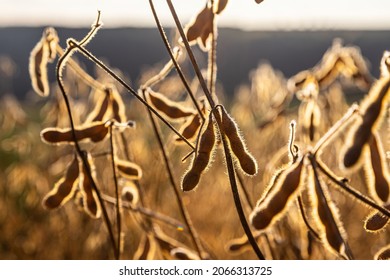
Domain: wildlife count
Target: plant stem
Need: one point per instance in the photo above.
(191, 55)
(118, 204)
(146, 212)
(127, 87)
(60, 65)
(182, 209)
(177, 66)
(344, 185)
(237, 201)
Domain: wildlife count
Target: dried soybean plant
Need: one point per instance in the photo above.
(105, 122)
(218, 125)
(202, 126)
(306, 171)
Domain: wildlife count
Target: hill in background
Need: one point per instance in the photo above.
(135, 49)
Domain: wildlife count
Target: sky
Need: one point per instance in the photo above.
(244, 14)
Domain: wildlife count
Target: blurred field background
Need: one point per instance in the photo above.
(251, 65)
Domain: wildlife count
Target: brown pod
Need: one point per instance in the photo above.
(182, 253)
(172, 110)
(94, 132)
(376, 221)
(373, 108)
(279, 198)
(385, 64)
(118, 107)
(332, 233)
(383, 253)
(200, 28)
(64, 189)
(43, 53)
(38, 68)
(238, 245)
(51, 38)
(90, 200)
(129, 169)
(101, 109)
(378, 176)
(219, 6)
(190, 128)
(247, 162)
(202, 158)
(146, 249)
(130, 194)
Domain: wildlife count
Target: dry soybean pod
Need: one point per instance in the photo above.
(373, 108)
(279, 198)
(376, 222)
(90, 200)
(331, 231)
(172, 110)
(200, 28)
(101, 109)
(95, 132)
(128, 169)
(383, 253)
(202, 158)
(147, 248)
(118, 107)
(378, 176)
(189, 128)
(246, 161)
(182, 253)
(64, 189)
(43, 53)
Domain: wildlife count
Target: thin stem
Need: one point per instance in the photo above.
(191, 55)
(237, 201)
(127, 87)
(61, 63)
(322, 197)
(344, 185)
(182, 209)
(118, 204)
(212, 63)
(85, 77)
(146, 212)
(177, 66)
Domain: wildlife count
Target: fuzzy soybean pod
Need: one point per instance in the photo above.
(332, 233)
(375, 221)
(373, 109)
(64, 188)
(94, 132)
(383, 253)
(246, 161)
(172, 110)
(279, 197)
(202, 158)
(43, 53)
(101, 109)
(128, 169)
(90, 200)
(378, 176)
(190, 128)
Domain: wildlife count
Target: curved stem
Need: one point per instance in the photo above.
(127, 87)
(106, 219)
